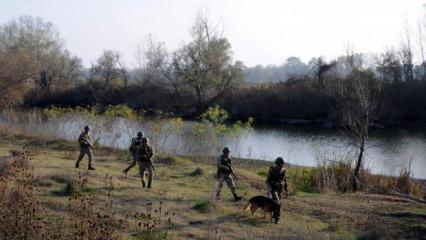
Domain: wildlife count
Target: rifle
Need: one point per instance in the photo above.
(88, 143)
(230, 168)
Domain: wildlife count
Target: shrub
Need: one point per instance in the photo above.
(121, 110)
(197, 172)
(204, 206)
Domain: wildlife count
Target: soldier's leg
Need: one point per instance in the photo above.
(142, 173)
(231, 184)
(80, 157)
(219, 187)
(278, 212)
(272, 193)
(279, 192)
(150, 173)
(90, 156)
(131, 164)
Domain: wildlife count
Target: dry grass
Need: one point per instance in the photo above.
(106, 204)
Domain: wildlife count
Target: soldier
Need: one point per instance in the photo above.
(86, 146)
(136, 142)
(143, 157)
(275, 181)
(134, 145)
(225, 173)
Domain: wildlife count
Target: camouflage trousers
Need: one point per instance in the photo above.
(229, 181)
(148, 168)
(85, 151)
(275, 193)
(143, 167)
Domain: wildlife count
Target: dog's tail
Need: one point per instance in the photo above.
(247, 207)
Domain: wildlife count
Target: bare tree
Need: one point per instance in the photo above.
(421, 27)
(390, 66)
(154, 64)
(124, 74)
(106, 71)
(358, 98)
(407, 56)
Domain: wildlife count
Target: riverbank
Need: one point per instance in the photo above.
(185, 189)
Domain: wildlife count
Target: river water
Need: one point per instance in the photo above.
(388, 150)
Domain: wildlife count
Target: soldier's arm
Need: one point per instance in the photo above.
(285, 181)
(83, 139)
(269, 176)
(80, 138)
(151, 151)
(132, 144)
(222, 166)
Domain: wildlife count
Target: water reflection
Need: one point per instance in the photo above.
(388, 150)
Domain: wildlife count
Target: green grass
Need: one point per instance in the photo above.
(306, 214)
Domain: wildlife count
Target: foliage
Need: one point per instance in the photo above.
(24, 216)
(204, 206)
(212, 131)
(121, 110)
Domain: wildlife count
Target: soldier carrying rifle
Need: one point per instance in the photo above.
(86, 146)
(142, 155)
(225, 173)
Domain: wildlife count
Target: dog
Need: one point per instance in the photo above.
(267, 205)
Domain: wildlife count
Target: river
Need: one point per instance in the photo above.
(388, 150)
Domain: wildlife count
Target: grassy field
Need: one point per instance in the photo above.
(183, 191)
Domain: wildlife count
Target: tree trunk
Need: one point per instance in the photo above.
(355, 176)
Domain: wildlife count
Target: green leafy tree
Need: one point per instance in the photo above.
(204, 67)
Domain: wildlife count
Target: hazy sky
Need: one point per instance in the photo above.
(261, 32)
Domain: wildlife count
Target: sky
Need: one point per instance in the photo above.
(261, 32)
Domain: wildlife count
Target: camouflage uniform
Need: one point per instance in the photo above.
(85, 141)
(142, 153)
(276, 180)
(224, 174)
(136, 143)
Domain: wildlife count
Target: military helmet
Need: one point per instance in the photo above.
(225, 150)
(140, 134)
(87, 128)
(145, 140)
(279, 161)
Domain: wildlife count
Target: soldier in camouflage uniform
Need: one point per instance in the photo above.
(86, 146)
(276, 181)
(225, 174)
(136, 142)
(143, 154)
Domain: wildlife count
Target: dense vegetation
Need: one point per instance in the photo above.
(37, 71)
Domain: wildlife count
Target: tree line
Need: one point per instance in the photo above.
(37, 71)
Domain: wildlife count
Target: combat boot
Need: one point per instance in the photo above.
(237, 198)
(77, 164)
(91, 168)
(143, 183)
(149, 184)
(277, 220)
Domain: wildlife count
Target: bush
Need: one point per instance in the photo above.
(121, 110)
(204, 206)
(71, 187)
(197, 172)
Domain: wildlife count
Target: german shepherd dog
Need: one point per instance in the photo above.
(267, 205)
